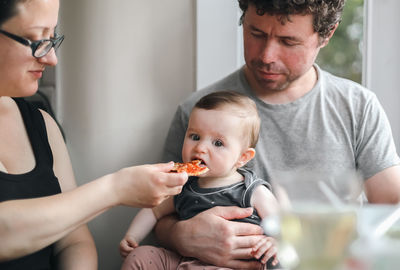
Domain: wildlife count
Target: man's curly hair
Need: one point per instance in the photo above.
(326, 13)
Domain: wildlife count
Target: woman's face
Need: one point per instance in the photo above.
(19, 70)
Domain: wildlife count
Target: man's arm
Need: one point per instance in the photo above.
(384, 187)
(212, 238)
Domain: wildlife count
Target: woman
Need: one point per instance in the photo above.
(42, 212)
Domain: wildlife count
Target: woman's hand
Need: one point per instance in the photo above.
(147, 185)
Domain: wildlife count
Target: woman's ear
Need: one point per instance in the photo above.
(245, 157)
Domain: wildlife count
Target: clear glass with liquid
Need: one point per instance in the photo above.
(315, 237)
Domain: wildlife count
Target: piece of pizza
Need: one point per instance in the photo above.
(193, 168)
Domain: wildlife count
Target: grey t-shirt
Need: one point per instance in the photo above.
(334, 131)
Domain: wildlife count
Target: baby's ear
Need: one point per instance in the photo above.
(246, 156)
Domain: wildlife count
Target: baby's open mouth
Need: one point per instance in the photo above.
(202, 163)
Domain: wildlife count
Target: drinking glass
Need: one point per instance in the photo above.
(378, 243)
(317, 221)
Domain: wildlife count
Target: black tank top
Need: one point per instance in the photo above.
(39, 182)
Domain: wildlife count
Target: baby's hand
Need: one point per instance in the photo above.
(265, 249)
(127, 244)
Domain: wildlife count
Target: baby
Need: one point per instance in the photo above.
(222, 132)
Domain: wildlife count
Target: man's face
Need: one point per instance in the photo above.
(277, 54)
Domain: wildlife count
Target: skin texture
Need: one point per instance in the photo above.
(32, 224)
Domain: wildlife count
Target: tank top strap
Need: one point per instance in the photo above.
(37, 133)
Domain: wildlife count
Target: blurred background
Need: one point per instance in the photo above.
(125, 65)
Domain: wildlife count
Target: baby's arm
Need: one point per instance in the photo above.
(142, 224)
(266, 204)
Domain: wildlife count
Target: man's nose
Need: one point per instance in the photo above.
(270, 52)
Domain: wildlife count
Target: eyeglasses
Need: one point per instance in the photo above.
(40, 47)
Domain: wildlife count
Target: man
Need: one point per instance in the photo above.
(313, 123)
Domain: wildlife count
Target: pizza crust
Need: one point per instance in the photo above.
(193, 168)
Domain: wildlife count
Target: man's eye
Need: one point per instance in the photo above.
(257, 35)
(218, 143)
(289, 43)
(194, 137)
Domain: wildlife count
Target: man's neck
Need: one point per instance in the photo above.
(294, 91)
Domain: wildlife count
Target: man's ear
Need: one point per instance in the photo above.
(245, 157)
(326, 40)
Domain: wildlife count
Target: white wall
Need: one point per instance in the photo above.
(382, 57)
(219, 40)
(123, 68)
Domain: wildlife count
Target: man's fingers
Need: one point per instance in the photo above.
(246, 229)
(248, 241)
(232, 212)
(243, 247)
(242, 253)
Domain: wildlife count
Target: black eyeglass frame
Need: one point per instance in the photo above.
(55, 42)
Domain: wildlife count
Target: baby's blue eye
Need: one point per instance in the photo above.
(218, 143)
(194, 137)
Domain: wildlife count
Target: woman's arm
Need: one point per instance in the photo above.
(76, 250)
(31, 224)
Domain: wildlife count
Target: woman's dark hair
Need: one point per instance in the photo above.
(8, 8)
(326, 13)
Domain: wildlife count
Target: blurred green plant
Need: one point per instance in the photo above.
(343, 55)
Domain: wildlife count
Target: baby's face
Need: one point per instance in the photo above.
(216, 138)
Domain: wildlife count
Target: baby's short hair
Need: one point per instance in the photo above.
(241, 105)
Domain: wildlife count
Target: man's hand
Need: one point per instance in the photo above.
(212, 238)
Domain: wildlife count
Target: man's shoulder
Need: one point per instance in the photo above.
(333, 84)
